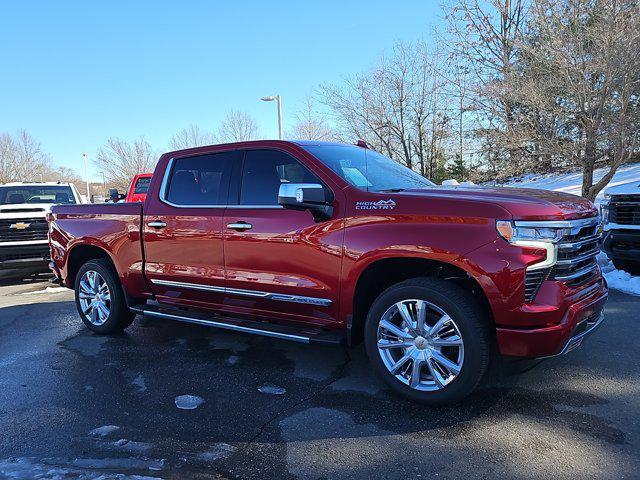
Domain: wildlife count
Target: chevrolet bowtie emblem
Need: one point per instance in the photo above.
(19, 225)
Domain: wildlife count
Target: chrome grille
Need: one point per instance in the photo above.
(625, 209)
(13, 230)
(576, 263)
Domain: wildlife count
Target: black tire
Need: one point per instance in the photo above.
(471, 321)
(119, 317)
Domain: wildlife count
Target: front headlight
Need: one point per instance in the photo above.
(514, 234)
(533, 238)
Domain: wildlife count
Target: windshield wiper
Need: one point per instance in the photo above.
(392, 190)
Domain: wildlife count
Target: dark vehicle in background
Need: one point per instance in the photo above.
(328, 243)
(137, 191)
(621, 216)
(24, 246)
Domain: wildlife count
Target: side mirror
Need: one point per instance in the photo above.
(114, 196)
(306, 196)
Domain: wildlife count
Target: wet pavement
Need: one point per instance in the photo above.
(168, 400)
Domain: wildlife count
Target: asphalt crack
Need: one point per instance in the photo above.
(313, 395)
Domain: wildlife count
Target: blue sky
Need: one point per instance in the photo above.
(75, 73)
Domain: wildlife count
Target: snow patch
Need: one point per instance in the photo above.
(217, 452)
(103, 431)
(188, 402)
(24, 468)
(130, 446)
(271, 389)
(139, 382)
(47, 290)
(618, 279)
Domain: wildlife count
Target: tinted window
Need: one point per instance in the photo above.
(265, 170)
(367, 169)
(201, 180)
(142, 185)
(36, 194)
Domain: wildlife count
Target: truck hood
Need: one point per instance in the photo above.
(24, 210)
(522, 203)
(629, 188)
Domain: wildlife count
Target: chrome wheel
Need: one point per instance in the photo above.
(420, 345)
(95, 298)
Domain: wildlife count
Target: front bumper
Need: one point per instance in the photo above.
(622, 244)
(580, 320)
(17, 257)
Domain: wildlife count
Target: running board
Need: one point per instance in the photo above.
(284, 332)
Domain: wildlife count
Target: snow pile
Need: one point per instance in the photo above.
(572, 182)
(618, 279)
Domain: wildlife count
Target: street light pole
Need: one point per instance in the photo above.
(278, 100)
(86, 176)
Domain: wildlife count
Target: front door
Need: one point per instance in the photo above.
(280, 262)
(183, 230)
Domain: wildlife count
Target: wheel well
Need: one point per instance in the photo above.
(81, 255)
(381, 274)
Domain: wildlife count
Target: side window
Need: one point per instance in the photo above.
(201, 180)
(264, 171)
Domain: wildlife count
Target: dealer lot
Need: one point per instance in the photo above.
(570, 417)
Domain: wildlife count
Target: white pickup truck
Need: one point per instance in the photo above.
(24, 246)
(621, 215)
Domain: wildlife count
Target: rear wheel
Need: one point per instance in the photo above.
(429, 340)
(100, 299)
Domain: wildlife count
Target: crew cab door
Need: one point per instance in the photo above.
(183, 230)
(280, 262)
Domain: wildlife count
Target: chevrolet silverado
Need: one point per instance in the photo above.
(331, 243)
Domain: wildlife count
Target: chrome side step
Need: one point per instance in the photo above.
(284, 332)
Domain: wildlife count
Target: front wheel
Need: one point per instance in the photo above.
(429, 340)
(100, 299)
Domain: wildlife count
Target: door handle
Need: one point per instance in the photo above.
(240, 226)
(157, 224)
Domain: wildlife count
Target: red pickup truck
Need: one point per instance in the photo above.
(330, 243)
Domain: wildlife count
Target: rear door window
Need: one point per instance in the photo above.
(201, 180)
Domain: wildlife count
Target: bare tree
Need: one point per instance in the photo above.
(192, 136)
(237, 126)
(22, 158)
(484, 37)
(310, 125)
(120, 160)
(397, 107)
(578, 90)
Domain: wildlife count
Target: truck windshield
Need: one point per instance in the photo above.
(36, 194)
(367, 169)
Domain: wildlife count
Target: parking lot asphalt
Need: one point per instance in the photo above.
(77, 405)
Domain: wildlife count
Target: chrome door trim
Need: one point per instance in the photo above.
(281, 297)
(192, 286)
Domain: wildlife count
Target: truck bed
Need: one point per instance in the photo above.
(114, 227)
